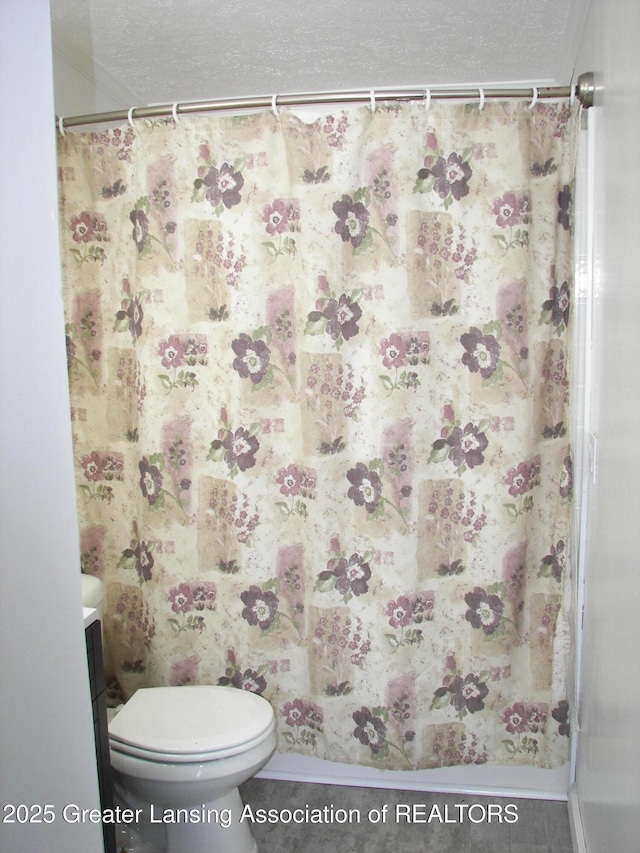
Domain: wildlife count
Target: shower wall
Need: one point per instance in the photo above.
(607, 792)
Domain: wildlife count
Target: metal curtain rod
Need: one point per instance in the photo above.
(583, 91)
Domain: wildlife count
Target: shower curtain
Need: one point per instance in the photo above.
(320, 391)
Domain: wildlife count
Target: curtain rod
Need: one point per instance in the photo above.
(583, 91)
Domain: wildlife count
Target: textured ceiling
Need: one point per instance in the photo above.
(156, 51)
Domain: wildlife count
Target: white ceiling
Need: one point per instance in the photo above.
(137, 52)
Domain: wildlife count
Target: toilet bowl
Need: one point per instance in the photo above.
(178, 755)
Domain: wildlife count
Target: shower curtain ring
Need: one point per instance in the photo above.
(427, 100)
(130, 116)
(372, 92)
(174, 112)
(481, 91)
(274, 107)
(535, 97)
(61, 125)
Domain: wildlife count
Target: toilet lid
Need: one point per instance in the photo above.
(190, 720)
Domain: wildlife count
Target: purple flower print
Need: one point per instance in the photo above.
(276, 216)
(553, 563)
(240, 448)
(350, 575)
(82, 227)
(337, 315)
(512, 209)
(92, 466)
(134, 313)
(406, 611)
(468, 693)
(314, 716)
(417, 347)
(467, 446)
(296, 483)
(150, 480)
(143, 560)
(172, 352)
(223, 186)
(520, 718)
(138, 556)
(249, 680)
(566, 478)
(399, 612)
(515, 719)
(300, 713)
(195, 350)
(112, 466)
(558, 305)
(451, 176)
(353, 220)
(260, 607)
(252, 358)
(536, 717)
(561, 715)
(506, 210)
(370, 730)
(422, 607)
(295, 712)
(290, 480)
(184, 672)
(140, 232)
(342, 317)
(482, 352)
(175, 352)
(71, 351)
(182, 601)
(485, 611)
(181, 598)
(393, 351)
(366, 487)
(523, 478)
(204, 595)
(564, 205)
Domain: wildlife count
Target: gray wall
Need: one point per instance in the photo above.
(608, 770)
(46, 734)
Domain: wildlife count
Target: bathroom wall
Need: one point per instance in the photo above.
(607, 792)
(46, 730)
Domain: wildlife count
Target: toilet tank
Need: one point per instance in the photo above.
(92, 593)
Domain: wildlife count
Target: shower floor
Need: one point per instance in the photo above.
(446, 823)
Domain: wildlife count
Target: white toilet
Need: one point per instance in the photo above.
(179, 754)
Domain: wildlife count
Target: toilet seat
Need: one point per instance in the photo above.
(190, 724)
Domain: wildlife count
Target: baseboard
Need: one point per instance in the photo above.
(480, 780)
(575, 822)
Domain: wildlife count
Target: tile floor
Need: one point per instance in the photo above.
(542, 826)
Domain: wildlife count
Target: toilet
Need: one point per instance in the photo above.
(178, 754)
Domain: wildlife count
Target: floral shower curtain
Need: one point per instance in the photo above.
(320, 380)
